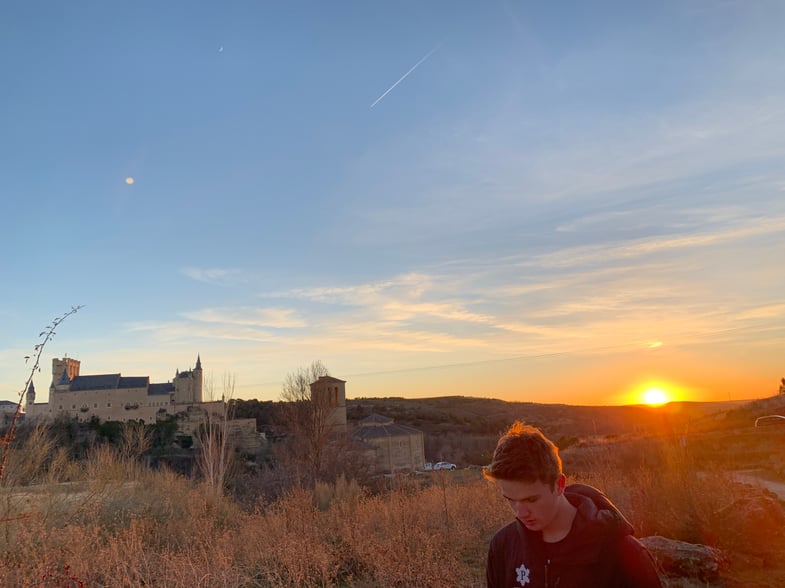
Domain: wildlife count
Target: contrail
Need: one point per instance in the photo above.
(403, 77)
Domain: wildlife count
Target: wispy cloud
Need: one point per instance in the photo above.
(451, 311)
(768, 311)
(225, 323)
(218, 276)
(493, 178)
(278, 318)
(410, 285)
(635, 248)
(191, 332)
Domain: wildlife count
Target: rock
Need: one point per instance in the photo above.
(756, 524)
(679, 559)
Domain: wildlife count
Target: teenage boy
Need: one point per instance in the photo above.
(562, 536)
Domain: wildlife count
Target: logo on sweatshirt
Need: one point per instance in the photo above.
(523, 574)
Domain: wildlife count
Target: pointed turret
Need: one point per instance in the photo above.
(31, 394)
(198, 379)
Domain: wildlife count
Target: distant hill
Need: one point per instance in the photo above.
(488, 416)
(464, 429)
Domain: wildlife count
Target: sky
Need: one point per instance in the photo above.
(560, 202)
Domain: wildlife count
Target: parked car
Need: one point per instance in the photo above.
(428, 466)
(444, 465)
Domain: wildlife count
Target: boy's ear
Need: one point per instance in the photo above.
(561, 484)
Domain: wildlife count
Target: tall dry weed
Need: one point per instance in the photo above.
(27, 463)
(340, 491)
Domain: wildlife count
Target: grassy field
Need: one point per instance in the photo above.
(109, 521)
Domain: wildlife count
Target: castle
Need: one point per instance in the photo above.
(113, 397)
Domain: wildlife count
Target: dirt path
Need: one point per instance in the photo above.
(753, 477)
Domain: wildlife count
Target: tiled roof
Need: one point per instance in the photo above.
(379, 431)
(134, 382)
(375, 419)
(98, 382)
(116, 381)
(7, 407)
(160, 389)
(329, 379)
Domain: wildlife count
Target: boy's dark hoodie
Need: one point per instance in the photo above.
(600, 551)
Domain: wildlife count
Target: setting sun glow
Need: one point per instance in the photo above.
(655, 396)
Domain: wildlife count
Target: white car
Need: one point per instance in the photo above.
(444, 465)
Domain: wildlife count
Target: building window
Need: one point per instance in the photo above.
(95, 405)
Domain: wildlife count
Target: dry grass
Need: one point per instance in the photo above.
(114, 523)
(111, 522)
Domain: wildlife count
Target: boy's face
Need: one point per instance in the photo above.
(535, 504)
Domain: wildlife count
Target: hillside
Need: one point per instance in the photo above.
(465, 429)
(487, 416)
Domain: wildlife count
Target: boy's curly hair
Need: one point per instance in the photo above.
(524, 454)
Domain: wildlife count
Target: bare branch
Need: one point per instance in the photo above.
(215, 458)
(307, 417)
(47, 335)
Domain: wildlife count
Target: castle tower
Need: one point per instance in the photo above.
(188, 385)
(329, 392)
(63, 372)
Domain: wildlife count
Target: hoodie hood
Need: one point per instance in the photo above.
(596, 506)
(596, 522)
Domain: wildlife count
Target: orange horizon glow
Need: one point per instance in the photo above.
(596, 381)
(615, 379)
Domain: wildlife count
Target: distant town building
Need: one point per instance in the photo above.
(391, 447)
(7, 410)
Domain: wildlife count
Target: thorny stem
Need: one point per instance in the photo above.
(45, 336)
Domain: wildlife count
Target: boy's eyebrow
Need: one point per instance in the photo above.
(535, 495)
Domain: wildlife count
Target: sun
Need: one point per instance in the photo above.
(655, 396)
